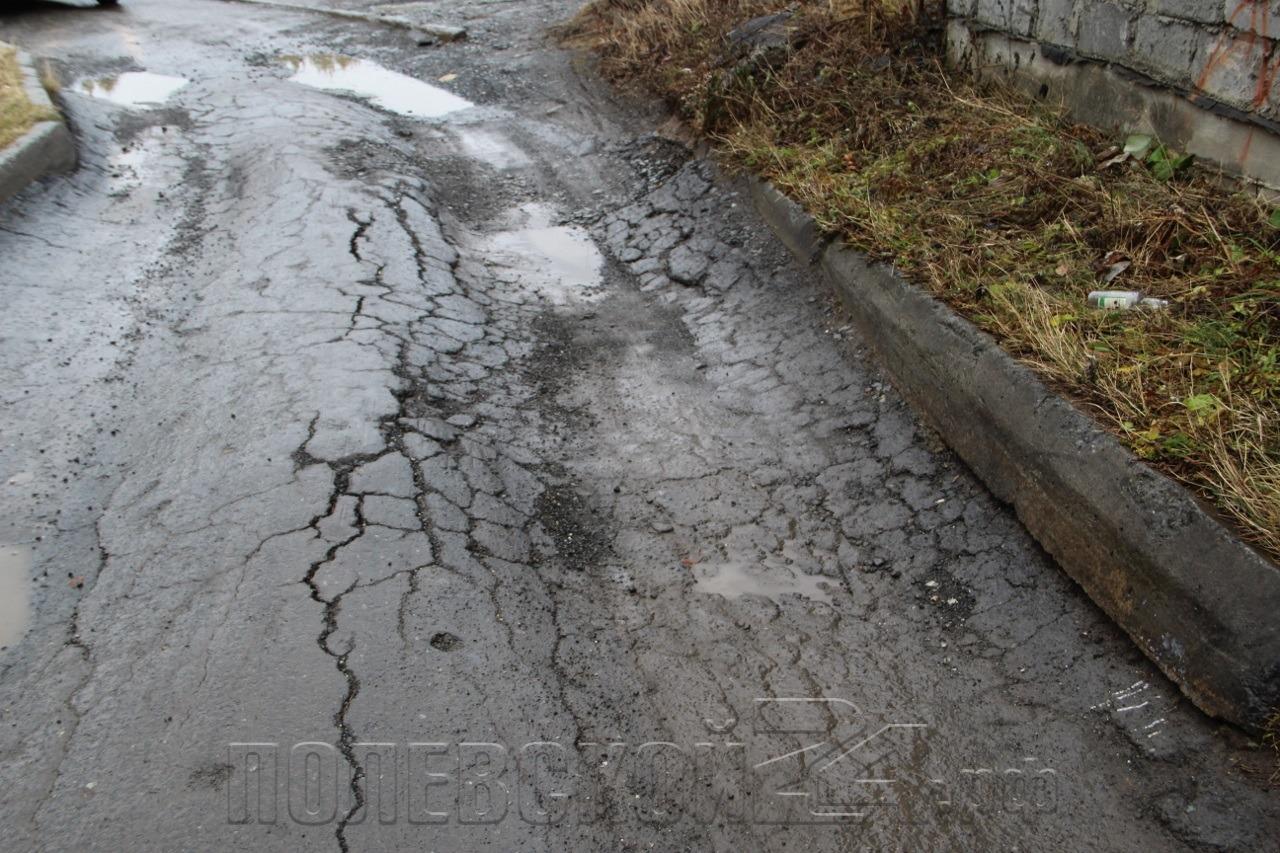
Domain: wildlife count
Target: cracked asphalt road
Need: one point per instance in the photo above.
(506, 459)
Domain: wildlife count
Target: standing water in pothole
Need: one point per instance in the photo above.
(132, 89)
(15, 593)
(383, 87)
(770, 579)
(491, 148)
(558, 262)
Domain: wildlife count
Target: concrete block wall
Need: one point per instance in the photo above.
(1220, 55)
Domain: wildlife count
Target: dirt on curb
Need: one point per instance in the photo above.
(1005, 210)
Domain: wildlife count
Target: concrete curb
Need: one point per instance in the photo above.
(1196, 599)
(46, 148)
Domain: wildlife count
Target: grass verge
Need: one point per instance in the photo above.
(1006, 210)
(1271, 738)
(17, 114)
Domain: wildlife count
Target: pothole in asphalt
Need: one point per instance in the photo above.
(15, 593)
(391, 90)
(132, 88)
(559, 262)
(445, 642)
(769, 579)
(131, 165)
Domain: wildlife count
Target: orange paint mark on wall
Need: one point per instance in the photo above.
(1252, 49)
(1259, 17)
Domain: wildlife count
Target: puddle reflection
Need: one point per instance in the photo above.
(771, 580)
(491, 148)
(558, 261)
(383, 87)
(132, 89)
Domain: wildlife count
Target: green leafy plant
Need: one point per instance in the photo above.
(1203, 406)
(1165, 164)
(1137, 144)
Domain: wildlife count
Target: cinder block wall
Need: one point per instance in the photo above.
(1202, 74)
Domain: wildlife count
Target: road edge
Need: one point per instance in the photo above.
(46, 148)
(1198, 601)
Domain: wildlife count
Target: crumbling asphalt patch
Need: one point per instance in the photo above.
(445, 642)
(579, 530)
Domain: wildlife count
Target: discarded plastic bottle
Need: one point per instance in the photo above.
(1123, 300)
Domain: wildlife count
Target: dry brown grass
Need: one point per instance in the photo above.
(49, 78)
(17, 114)
(1007, 211)
(1271, 737)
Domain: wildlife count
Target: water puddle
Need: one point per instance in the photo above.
(132, 89)
(15, 593)
(491, 148)
(130, 166)
(383, 87)
(560, 262)
(771, 579)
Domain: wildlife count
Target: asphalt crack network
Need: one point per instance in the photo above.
(332, 608)
(441, 433)
(342, 470)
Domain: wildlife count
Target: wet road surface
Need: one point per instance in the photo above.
(419, 416)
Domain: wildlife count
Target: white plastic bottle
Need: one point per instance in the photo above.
(1123, 300)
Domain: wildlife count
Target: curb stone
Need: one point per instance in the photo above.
(794, 227)
(1200, 603)
(46, 148)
